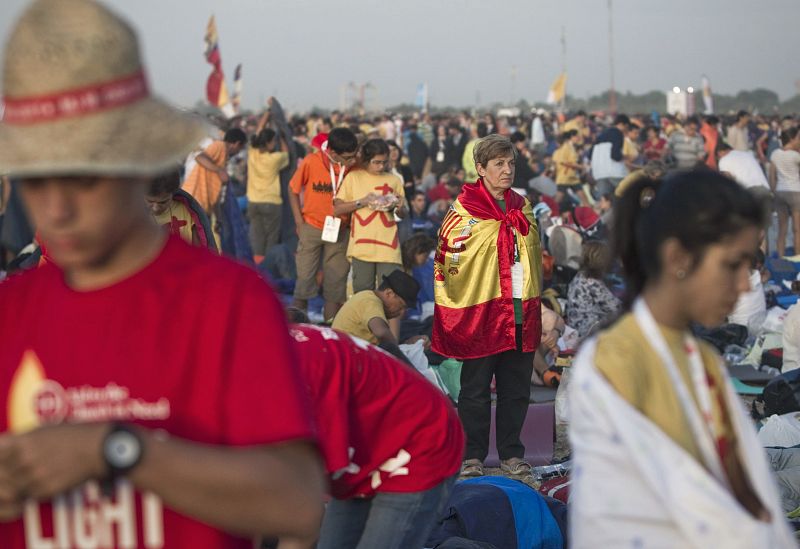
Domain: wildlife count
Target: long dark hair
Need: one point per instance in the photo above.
(698, 208)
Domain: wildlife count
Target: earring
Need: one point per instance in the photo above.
(680, 274)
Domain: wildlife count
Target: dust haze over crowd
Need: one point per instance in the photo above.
(470, 52)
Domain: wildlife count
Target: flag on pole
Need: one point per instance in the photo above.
(558, 90)
(708, 99)
(422, 96)
(216, 91)
(237, 88)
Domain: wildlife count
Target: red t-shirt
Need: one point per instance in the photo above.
(653, 151)
(193, 344)
(382, 426)
(439, 192)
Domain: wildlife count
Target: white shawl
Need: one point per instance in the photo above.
(635, 487)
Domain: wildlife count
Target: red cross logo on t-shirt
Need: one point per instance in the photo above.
(384, 218)
(175, 225)
(385, 189)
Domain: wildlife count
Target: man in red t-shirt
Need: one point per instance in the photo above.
(392, 443)
(140, 404)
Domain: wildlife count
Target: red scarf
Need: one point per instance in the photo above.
(479, 203)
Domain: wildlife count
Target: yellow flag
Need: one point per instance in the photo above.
(558, 90)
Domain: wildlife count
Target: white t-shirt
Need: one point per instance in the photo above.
(603, 166)
(751, 307)
(787, 166)
(744, 168)
(791, 339)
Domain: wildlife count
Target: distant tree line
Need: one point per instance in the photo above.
(759, 100)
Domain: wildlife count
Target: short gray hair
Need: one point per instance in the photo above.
(492, 146)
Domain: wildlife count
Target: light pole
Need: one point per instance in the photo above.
(612, 94)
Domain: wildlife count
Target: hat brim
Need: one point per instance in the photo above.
(144, 139)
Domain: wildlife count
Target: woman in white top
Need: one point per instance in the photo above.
(664, 454)
(784, 179)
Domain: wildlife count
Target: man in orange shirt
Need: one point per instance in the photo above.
(710, 133)
(205, 181)
(318, 178)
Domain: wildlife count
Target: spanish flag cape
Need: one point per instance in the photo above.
(474, 313)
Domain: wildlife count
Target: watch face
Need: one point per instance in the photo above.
(122, 449)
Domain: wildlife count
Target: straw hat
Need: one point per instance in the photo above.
(77, 102)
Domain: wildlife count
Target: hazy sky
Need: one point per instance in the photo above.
(305, 51)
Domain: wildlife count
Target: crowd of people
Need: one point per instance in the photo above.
(219, 325)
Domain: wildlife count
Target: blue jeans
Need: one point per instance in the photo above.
(387, 521)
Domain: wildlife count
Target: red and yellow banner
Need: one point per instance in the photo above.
(216, 90)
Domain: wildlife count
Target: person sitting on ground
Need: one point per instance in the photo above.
(391, 441)
(417, 220)
(179, 211)
(366, 314)
(589, 301)
(416, 251)
(751, 307)
(605, 205)
(447, 188)
(791, 339)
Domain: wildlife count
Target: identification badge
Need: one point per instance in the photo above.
(440, 156)
(330, 231)
(516, 280)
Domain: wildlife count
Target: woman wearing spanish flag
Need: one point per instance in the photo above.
(487, 283)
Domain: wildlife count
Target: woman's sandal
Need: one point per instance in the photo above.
(515, 467)
(471, 468)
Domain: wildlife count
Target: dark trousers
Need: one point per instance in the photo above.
(512, 371)
(265, 226)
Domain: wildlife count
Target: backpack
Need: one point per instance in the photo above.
(782, 394)
(565, 246)
(502, 512)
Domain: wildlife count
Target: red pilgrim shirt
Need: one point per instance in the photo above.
(178, 346)
(382, 426)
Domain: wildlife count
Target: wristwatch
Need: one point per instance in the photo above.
(358, 203)
(122, 450)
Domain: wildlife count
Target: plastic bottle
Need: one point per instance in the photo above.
(545, 472)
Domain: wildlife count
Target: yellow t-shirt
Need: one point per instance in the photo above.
(564, 174)
(263, 175)
(373, 234)
(577, 125)
(634, 369)
(354, 316)
(630, 150)
(178, 220)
